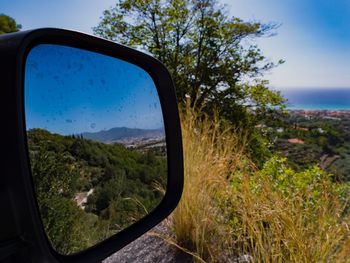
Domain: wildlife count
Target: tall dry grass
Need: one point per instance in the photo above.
(271, 226)
(211, 152)
(229, 209)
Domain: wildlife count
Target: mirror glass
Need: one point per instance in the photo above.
(96, 144)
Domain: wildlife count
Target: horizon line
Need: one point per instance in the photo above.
(309, 87)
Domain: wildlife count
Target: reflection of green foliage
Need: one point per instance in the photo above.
(122, 180)
(54, 173)
(64, 224)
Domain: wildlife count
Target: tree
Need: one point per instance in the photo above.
(211, 56)
(208, 53)
(8, 24)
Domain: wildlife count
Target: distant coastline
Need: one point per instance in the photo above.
(325, 109)
(336, 115)
(317, 99)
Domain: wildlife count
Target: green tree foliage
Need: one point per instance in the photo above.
(211, 56)
(8, 24)
(207, 52)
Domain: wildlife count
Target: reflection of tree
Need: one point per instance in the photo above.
(122, 181)
(55, 179)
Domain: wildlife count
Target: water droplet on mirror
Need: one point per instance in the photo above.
(39, 76)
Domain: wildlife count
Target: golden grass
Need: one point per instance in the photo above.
(215, 221)
(211, 152)
(274, 228)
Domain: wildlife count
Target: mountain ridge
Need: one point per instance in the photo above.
(117, 134)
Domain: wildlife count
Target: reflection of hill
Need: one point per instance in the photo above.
(125, 135)
(83, 185)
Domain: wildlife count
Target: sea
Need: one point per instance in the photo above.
(317, 98)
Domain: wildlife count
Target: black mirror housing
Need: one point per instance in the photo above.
(22, 236)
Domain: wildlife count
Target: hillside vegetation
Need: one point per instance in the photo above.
(325, 140)
(231, 209)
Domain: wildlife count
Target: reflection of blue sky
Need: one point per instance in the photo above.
(68, 91)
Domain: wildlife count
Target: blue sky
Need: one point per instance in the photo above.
(70, 91)
(314, 36)
(314, 39)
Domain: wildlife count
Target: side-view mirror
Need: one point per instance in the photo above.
(91, 146)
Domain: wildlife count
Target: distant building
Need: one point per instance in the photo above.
(260, 126)
(332, 118)
(296, 141)
(301, 128)
(320, 130)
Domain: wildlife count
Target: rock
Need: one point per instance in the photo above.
(150, 249)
